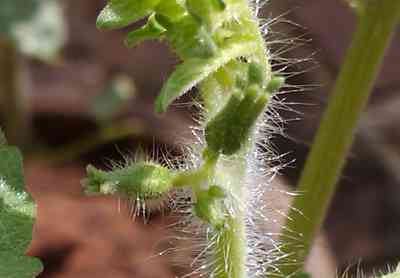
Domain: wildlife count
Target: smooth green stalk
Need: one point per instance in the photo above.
(376, 22)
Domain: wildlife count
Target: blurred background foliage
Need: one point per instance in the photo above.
(72, 95)
(37, 27)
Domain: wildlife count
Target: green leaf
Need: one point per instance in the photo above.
(172, 9)
(11, 168)
(17, 213)
(190, 39)
(15, 236)
(120, 13)
(195, 70)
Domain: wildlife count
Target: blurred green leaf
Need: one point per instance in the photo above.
(114, 99)
(15, 11)
(17, 212)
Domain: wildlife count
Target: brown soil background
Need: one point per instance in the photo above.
(77, 236)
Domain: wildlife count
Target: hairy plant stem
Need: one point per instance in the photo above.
(223, 53)
(230, 250)
(376, 22)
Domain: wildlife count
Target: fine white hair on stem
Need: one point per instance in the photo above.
(194, 241)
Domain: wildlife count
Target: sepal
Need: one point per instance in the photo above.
(121, 13)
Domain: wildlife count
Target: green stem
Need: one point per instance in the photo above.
(377, 20)
(230, 248)
(228, 252)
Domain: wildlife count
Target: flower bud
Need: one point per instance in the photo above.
(209, 206)
(146, 180)
(229, 130)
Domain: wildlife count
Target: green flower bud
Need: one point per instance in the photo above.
(94, 179)
(205, 11)
(229, 130)
(275, 83)
(146, 180)
(256, 74)
(209, 206)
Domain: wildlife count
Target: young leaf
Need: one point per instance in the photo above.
(120, 13)
(172, 9)
(151, 30)
(190, 39)
(17, 213)
(191, 72)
